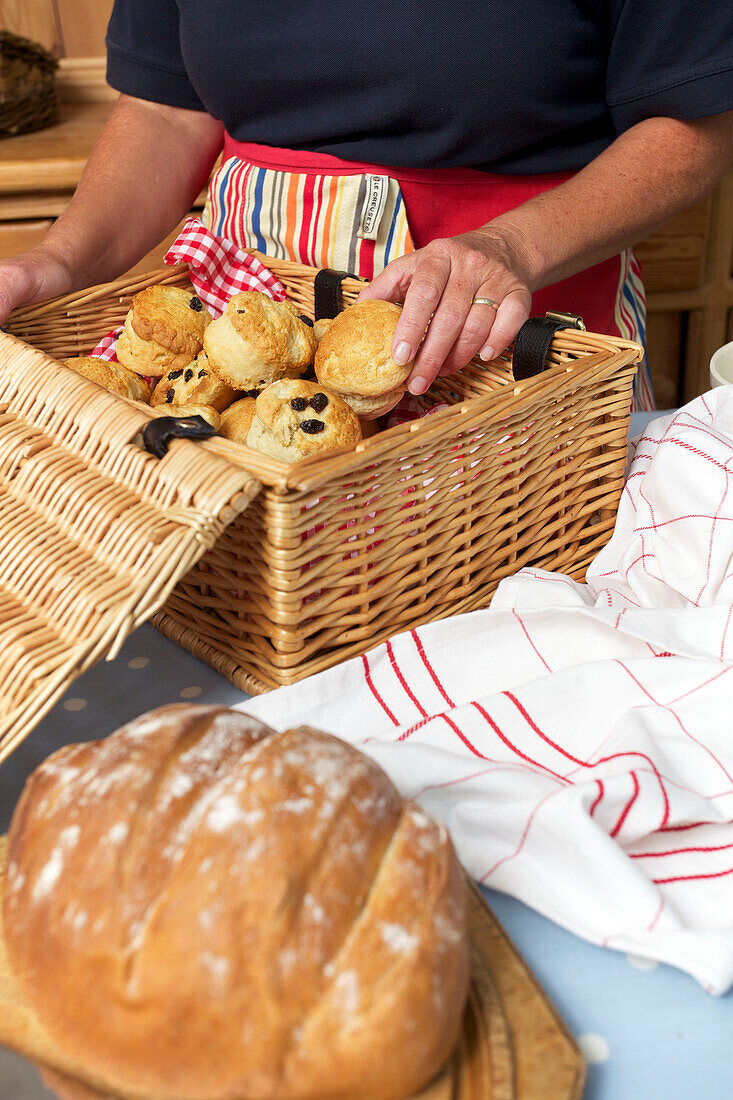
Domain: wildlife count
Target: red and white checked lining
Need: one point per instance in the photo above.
(218, 270)
(577, 739)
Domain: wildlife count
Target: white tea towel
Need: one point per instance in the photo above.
(577, 739)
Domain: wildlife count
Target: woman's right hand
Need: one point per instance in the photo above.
(31, 277)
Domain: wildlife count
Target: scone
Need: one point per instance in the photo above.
(113, 376)
(353, 358)
(211, 416)
(194, 384)
(256, 341)
(294, 418)
(320, 328)
(237, 420)
(163, 330)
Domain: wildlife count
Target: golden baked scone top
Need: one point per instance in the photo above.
(256, 341)
(171, 317)
(194, 384)
(295, 418)
(269, 325)
(113, 376)
(237, 419)
(354, 353)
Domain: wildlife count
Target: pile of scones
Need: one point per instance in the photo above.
(263, 373)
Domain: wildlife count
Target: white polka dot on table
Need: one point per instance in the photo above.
(138, 662)
(190, 693)
(640, 963)
(594, 1048)
(74, 704)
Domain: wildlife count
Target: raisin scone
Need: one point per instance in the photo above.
(163, 330)
(295, 418)
(237, 420)
(211, 416)
(113, 376)
(195, 384)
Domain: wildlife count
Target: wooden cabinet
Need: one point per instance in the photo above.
(68, 28)
(18, 236)
(688, 272)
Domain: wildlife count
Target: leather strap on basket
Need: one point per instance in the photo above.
(158, 433)
(532, 345)
(327, 292)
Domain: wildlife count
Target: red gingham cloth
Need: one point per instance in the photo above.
(218, 270)
(577, 739)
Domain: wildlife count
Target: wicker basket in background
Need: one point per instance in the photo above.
(421, 521)
(28, 99)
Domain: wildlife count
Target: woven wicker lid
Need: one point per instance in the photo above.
(94, 531)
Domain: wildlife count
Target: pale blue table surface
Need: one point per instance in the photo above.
(649, 1034)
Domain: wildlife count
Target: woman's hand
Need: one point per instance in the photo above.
(31, 277)
(438, 285)
(648, 174)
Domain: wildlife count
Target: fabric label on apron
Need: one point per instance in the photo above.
(373, 209)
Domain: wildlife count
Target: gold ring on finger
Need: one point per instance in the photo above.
(486, 302)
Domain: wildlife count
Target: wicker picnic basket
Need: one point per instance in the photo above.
(333, 554)
(28, 99)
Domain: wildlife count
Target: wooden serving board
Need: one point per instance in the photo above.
(514, 1046)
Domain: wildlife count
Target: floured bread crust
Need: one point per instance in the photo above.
(202, 909)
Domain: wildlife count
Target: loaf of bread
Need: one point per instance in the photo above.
(202, 909)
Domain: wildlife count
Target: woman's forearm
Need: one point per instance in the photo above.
(647, 175)
(144, 172)
(650, 173)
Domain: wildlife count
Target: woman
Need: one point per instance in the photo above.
(534, 141)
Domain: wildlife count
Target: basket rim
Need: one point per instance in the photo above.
(610, 352)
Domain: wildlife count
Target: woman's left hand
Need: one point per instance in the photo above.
(438, 285)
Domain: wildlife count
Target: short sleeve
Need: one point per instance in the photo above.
(144, 53)
(670, 59)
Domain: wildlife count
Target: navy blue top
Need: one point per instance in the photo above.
(520, 86)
